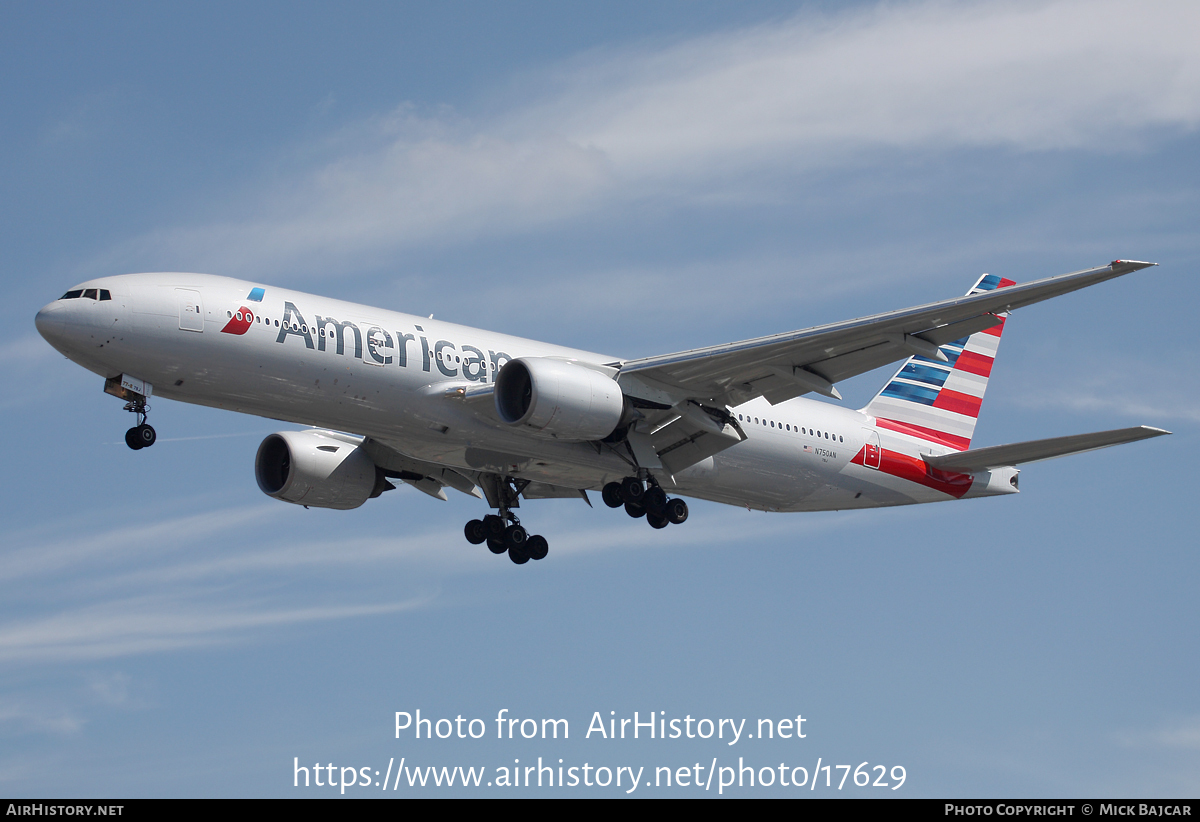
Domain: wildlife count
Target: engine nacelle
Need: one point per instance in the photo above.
(315, 469)
(559, 399)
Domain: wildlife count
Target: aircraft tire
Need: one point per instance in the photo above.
(518, 554)
(132, 440)
(494, 526)
(475, 532)
(632, 490)
(496, 546)
(655, 499)
(634, 511)
(676, 511)
(612, 495)
(657, 521)
(537, 547)
(145, 435)
(515, 536)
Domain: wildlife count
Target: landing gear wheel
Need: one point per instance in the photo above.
(496, 546)
(632, 490)
(655, 498)
(475, 532)
(515, 536)
(537, 547)
(145, 435)
(612, 495)
(634, 511)
(676, 511)
(519, 554)
(493, 527)
(657, 521)
(132, 439)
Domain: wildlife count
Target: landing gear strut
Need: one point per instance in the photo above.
(650, 502)
(141, 435)
(503, 532)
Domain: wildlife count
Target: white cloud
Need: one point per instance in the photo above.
(139, 590)
(25, 715)
(710, 116)
(1184, 735)
(160, 623)
(120, 544)
(1159, 395)
(929, 75)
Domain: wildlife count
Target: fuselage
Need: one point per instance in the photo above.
(317, 361)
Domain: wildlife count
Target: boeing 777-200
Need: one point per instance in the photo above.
(396, 397)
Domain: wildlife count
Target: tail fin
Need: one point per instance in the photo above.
(936, 401)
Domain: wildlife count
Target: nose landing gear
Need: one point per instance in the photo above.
(141, 435)
(135, 392)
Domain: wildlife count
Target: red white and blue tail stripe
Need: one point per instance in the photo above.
(938, 402)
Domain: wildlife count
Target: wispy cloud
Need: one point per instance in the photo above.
(158, 623)
(724, 116)
(1183, 733)
(117, 545)
(25, 715)
(1159, 395)
(176, 583)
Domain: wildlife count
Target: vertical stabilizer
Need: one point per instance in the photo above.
(938, 402)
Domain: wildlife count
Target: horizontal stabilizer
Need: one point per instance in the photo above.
(1018, 453)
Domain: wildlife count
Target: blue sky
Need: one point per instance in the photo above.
(632, 181)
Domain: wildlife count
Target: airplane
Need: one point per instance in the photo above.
(437, 405)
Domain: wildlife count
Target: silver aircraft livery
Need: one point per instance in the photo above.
(391, 396)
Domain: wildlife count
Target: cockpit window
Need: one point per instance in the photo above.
(89, 293)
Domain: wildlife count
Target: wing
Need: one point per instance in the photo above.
(783, 366)
(684, 397)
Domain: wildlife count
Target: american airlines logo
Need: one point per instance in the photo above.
(240, 322)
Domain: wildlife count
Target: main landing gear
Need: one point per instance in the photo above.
(502, 536)
(502, 531)
(141, 435)
(649, 501)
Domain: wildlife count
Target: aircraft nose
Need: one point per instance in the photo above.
(51, 323)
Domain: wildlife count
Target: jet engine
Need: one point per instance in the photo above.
(313, 468)
(560, 399)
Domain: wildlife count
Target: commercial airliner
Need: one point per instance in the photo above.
(391, 396)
